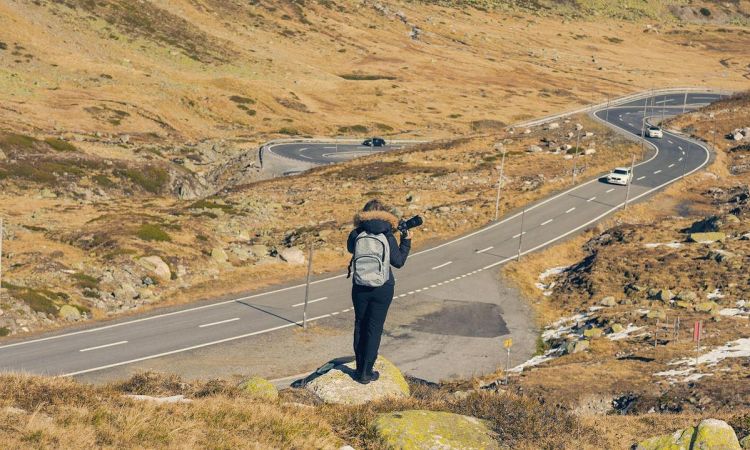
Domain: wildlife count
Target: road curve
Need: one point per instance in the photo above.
(167, 332)
(322, 153)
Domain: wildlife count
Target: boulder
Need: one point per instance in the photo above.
(679, 440)
(687, 296)
(69, 313)
(219, 255)
(420, 429)
(259, 388)
(534, 149)
(708, 237)
(656, 314)
(745, 443)
(713, 433)
(339, 387)
(553, 126)
(608, 301)
(259, 250)
(617, 328)
(707, 307)
(576, 347)
(593, 333)
(665, 295)
(292, 255)
(156, 266)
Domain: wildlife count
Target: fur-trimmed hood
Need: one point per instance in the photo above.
(376, 221)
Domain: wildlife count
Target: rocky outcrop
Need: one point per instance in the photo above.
(156, 267)
(707, 238)
(418, 429)
(339, 387)
(710, 434)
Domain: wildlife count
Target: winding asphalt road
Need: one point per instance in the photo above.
(158, 334)
(326, 153)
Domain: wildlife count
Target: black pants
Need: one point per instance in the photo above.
(370, 309)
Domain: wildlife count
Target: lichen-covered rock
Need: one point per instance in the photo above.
(715, 434)
(259, 388)
(608, 301)
(679, 440)
(69, 313)
(339, 387)
(418, 429)
(593, 333)
(156, 267)
(707, 307)
(745, 443)
(577, 346)
(705, 238)
(711, 434)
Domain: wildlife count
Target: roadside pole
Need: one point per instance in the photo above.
(632, 177)
(713, 119)
(499, 187)
(575, 157)
(520, 236)
(663, 106)
(607, 111)
(684, 103)
(684, 160)
(307, 284)
(643, 130)
(1, 254)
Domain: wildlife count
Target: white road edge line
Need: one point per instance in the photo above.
(102, 346)
(219, 322)
(311, 301)
(442, 265)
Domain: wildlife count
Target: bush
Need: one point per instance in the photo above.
(288, 131)
(242, 100)
(353, 129)
(60, 145)
(705, 12)
(151, 232)
(365, 77)
(149, 178)
(37, 301)
(86, 281)
(4, 331)
(17, 140)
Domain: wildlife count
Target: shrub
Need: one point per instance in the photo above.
(241, 100)
(103, 181)
(151, 232)
(149, 178)
(207, 204)
(85, 281)
(365, 77)
(4, 331)
(705, 12)
(17, 140)
(37, 301)
(353, 129)
(288, 131)
(60, 145)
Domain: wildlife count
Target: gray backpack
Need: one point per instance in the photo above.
(371, 261)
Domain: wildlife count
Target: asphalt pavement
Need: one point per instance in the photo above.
(99, 347)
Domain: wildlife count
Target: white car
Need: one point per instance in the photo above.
(621, 176)
(654, 132)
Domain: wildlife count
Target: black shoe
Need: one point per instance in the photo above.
(374, 375)
(364, 378)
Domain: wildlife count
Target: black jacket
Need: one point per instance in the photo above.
(377, 222)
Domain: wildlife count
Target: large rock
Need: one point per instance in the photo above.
(292, 255)
(337, 385)
(418, 429)
(707, 238)
(259, 388)
(687, 296)
(577, 346)
(715, 434)
(709, 435)
(219, 255)
(69, 313)
(679, 440)
(156, 267)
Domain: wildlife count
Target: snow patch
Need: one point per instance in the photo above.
(715, 294)
(536, 360)
(665, 244)
(733, 349)
(547, 287)
(624, 333)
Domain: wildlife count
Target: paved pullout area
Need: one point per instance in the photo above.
(439, 326)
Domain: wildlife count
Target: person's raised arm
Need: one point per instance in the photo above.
(399, 252)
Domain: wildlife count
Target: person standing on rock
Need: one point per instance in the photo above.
(374, 250)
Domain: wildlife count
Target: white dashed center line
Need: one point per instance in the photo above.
(591, 199)
(485, 249)
(519, 235)
(311, 301)
(670, 166)
(570, 210)
(546, 222)
(640, 178)
(442, 265)
(218, 323)
(657, 171)
(102, 346)
(610, 190)
(670, 141)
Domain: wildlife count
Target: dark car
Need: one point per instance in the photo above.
(374, 142)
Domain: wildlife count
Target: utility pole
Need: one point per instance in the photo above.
(632, 177)
(307, 283)
(499, 187)
(520, 236)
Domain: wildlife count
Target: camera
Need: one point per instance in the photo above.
(405, 225)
